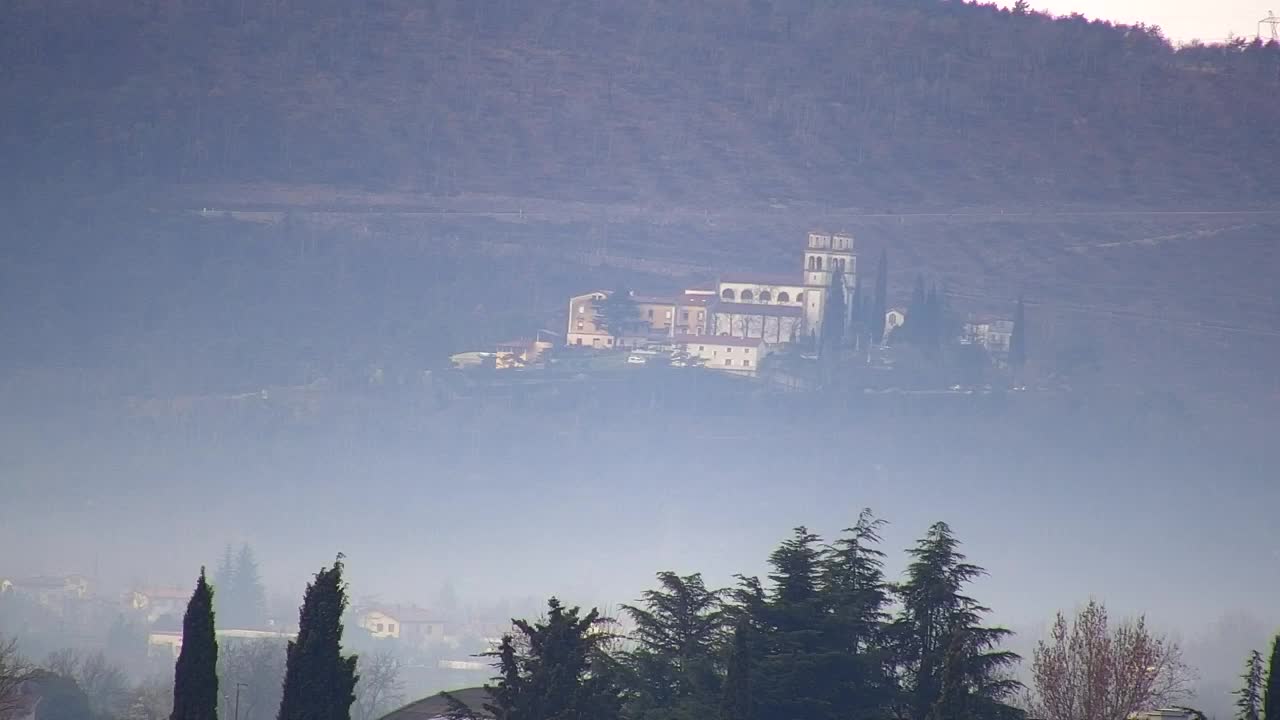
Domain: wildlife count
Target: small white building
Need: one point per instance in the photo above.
(414, 626)
(740, 356)
(994, 334)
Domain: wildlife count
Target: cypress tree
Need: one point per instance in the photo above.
(834, 315)
(319, 683)
(1018, 340)
(881, 305)
(195, 678)
(251, 596)
(1271, 693)
(1249, 701)
(736, 701)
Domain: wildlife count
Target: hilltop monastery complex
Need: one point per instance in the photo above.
(747, 311)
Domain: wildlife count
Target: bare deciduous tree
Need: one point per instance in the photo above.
(103, 683)
(13, 673)
(379, 689)
(1089, 670)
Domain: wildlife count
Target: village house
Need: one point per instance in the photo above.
(739, 356)
(48, 591)
(414, 626)
(993, 334)
(774, 309)
(168, 644)
(156, 602)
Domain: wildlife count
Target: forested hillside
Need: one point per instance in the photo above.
(877, 104)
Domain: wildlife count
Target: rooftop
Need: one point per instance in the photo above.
(759, 309)
(763, 279)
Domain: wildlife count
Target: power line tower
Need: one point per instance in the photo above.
(1274, 21)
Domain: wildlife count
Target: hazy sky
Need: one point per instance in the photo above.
(1182, 20)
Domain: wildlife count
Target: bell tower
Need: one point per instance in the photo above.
(824, 255)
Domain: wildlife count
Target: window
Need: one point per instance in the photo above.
(766, 296)
(728, 349)
(701, 315)
(784, 297)
(595, 342)
(378, 627)
(580, 325)
(727, 294)
(746, 363)
(582, 309)
(800, 298)
(577, 341)
(728, 361)
(747, 296)
(668, 314)
(650, 313)
(818, 263)
(701, 348)
(391, 627)
(684, 315)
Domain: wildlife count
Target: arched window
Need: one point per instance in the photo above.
(747, 296)
(766, 296)
(819, 263)
(784, 297)
(727, 294)
(800, 298)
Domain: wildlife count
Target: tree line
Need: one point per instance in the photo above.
(825, 634)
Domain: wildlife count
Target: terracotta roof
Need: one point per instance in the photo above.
(759, 309)
(720, 340)
(763, 279)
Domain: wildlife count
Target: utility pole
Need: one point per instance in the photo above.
(238, 686)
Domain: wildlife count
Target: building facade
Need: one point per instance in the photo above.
(775, 308)
(738, 356)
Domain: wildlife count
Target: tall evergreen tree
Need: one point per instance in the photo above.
(1249, 696)
(852, 578)
(1018, 340)
(834, 316)
(195, 678)
(1271, 693)
(618, 313)
(735, 703)
(562, 672)
(880, 307)
(251, 596)
(953, 698)
(319, 683)
(679, 627)
(934, 611)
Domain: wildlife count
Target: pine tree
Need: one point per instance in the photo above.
(563, 674)
(953, 698)
(856, 597)
(934, 610)
(1249, 702)
(678, 630)
(251, 596)
(224, 582)
(880, 307)
(1271, 693)
(735, 703)
(853, 582)
(319, 683)
(195, 678)
(1018, 340)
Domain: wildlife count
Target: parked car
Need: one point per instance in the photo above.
(634, 359)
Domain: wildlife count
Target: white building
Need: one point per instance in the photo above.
(740, 356)
(775, 308)
(993, 334)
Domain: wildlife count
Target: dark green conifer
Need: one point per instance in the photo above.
(1249, 696)
(735, 703)
(319, 683)
(934, 610)
(195, 678)
(880, 307)
(1271, 693)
